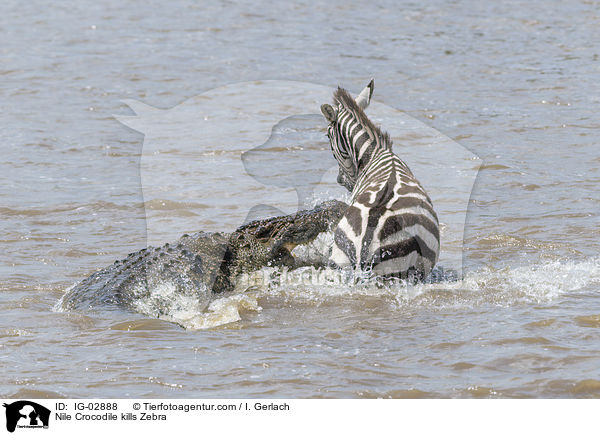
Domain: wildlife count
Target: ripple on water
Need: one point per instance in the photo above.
(588, 388)
(34, 393)
(460, 366)
(541, 323)
(10, 332)
(522, 340)
(143, 325)
(480, 392)
(448, 345)
(411, 393)
(154, 380)
(591, 321)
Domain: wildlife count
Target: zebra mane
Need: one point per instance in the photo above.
(342, 97)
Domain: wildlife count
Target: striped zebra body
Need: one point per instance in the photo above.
(390, 226)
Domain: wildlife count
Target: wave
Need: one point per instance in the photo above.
(534, 283)
(537, 283)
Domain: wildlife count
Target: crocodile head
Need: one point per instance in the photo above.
(269, 242)
(198, 265)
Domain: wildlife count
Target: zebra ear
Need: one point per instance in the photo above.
(364, 98)
(328, 112)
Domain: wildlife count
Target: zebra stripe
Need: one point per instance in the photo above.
(390, 226)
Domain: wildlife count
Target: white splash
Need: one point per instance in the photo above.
(220, 312)
(535, 283)
(191, 311)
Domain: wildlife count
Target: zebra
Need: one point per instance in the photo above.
(390, 227)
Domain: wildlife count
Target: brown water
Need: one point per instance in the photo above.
(515, 84)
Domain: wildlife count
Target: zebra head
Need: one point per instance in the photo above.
(350, 133)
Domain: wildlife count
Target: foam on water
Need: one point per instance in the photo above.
(317, 251)
(535, 283)
(166, 303)
(220, 312)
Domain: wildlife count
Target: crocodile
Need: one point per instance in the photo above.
(202, 265)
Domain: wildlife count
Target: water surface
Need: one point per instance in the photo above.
(514, 83)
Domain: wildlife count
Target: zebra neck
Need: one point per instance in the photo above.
(367, 152)
(376, 173)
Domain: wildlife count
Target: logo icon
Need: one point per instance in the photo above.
(26, 414)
